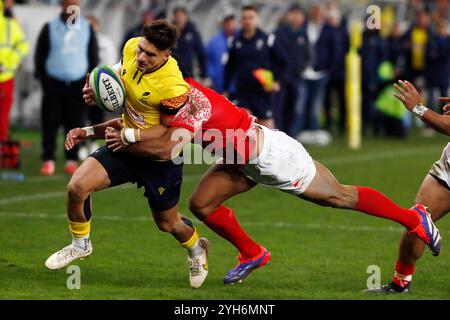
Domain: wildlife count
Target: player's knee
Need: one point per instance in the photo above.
(344, 198)
(77, 192)
(166, 226)
(200, 209)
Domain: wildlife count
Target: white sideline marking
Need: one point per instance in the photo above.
(59, 194)
(330, 162)
(278, 225)
(32, 198)
(381, 155)
(38, 179)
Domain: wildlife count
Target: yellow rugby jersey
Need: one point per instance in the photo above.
(147, 94)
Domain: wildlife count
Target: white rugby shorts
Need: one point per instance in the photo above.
(441, 168)
(282, 164)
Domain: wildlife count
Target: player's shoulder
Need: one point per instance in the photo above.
(169, 81)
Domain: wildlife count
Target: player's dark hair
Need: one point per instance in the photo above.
(249, 7)
(162, 34)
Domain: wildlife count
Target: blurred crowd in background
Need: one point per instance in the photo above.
(292, 78)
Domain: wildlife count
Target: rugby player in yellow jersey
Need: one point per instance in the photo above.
(155, 91)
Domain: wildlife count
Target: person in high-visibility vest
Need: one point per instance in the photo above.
(13, 49)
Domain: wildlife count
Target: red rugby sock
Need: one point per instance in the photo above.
(403, 274)
(224, 223)
(372, 202)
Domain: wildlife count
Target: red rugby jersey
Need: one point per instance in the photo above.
(219, 126)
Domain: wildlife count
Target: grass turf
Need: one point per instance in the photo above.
(317, 253)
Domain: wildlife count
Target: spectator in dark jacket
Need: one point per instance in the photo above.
(322, 45)
(336, 83)
(252, 54)
(190, 45)
(147, 17)
(292, 36)
(217, 51)
(395, 48)
(437, 73)
(373, 53)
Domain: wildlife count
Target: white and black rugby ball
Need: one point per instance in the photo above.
(108, 88)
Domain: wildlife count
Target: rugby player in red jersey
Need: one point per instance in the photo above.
(258, 156)
(434, 193)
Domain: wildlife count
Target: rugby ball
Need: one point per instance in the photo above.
(108, 88)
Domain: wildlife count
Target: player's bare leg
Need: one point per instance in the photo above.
(326, 190)
(171, 221)
(219, 184)
(89, 178)
(436, 198)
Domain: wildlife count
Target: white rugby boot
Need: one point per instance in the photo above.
(198, 265)
(66, 256)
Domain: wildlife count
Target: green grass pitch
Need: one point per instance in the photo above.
(317, 253)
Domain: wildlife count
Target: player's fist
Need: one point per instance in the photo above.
(446, 108)
(74, 137)
(116, 124)
(114, 139)
(88, 94)
(407, 94)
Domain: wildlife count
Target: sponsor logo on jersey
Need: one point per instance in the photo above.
(134, 115)
(146, 95)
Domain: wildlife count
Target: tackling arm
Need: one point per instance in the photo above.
(412, 99)
(98, 131)
(167, 146)
(438, 122)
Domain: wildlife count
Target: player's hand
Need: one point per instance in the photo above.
(407, 94)
(88, 94)
(74, 137)
(446, 108)
(113, 139)
(116, 124)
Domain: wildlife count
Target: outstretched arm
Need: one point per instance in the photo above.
(157, 142)
(412, 99)
(77, 135)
